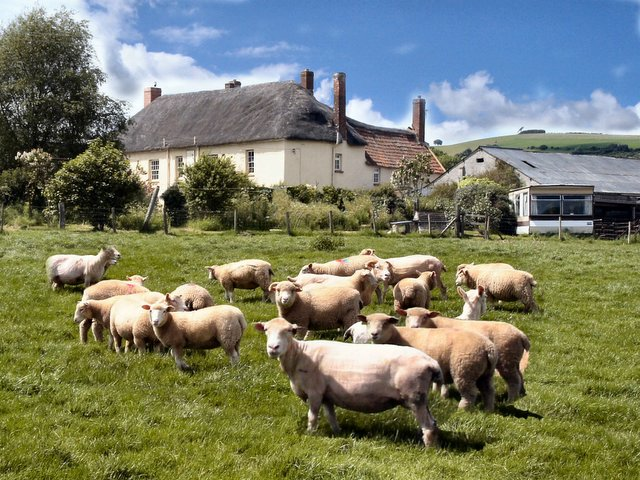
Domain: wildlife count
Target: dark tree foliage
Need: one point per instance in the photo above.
(386, 197)
(175, 203)
(49, 88)
(93, 183)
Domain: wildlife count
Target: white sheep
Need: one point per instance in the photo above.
(99, 311)
(210, 327)
(319, 309)
(467, 359)
(362, 378)
(194, 296)
(245, 274)
(363, 280)
(499, 283)
(69, 269)
(410, 266)
(106, 289)
(358, 332)
(413, 292)
(475, 303)
(511, 343)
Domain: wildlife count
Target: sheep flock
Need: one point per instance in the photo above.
(374, 363)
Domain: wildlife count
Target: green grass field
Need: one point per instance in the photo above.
(559, 140)
(69, 410)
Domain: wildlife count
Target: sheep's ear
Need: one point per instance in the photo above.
(297, 287)
(431, 314)
(480, 290)
(128, 277)
(393, 320)
(146, 306)
(362, 318)
(144, 279)
(259, 326)
(401, 311)
(294, 329)
(273, 286)
(371, 265)
(291, 279)
(463, 294)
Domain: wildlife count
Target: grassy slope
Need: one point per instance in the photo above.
(563, 140)
(79, 411)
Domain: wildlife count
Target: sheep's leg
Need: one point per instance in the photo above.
(312, 414)
(96, 328)
(468, 392)
(127, 346)
(117, 341)
(84, 327)
(488, 392)
(513, 379)
(330, 411)
(233, 354)
(110, 340)
(426, 421)
(140, 345)
(177, 356)
(379, 295)
(442, 287)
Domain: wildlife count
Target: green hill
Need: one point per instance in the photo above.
(544, 141)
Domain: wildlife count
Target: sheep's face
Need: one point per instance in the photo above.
(307, 268)
(82, 309)
(475, 303)
(212, 272)
(382, 270)
(380, 327)
(113, 254)
(279, 334)
(285, 293)
(461, 277)
(159, 311)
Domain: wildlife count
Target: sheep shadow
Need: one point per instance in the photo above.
(511, 411)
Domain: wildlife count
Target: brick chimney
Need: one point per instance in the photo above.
(306, 80)
(232, 84)
(150, 94)
(419, 112)
(340, 103)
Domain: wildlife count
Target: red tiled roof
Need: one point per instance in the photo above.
(386, 147)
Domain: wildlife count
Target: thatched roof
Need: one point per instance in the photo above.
(268, 111)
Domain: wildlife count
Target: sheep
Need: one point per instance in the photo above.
(499, 283)
(511, 343)
(362, 378)
(362, 280)
(210, 327)
(475, 303)
(467, 359)
(319, 309)
(130, 323)
(410, 266)
(358, 332)
(69, 269)
(413, 292)
(245, 274)
(194, 296)
(106, 289)
(98, 311)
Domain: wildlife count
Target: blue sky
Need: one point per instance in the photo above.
(485, 67)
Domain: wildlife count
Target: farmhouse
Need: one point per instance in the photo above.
(560, 190)
(277, 133)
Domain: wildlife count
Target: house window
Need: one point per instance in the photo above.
(250, 159)
(525, 204)
(577, 205)
(480, 160)
(179, 166)
(376, 176)
(517, 206)
(545, 205)
(337, 162)
(154, 169)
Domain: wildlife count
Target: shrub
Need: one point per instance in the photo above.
(175, 203)
(327, 242)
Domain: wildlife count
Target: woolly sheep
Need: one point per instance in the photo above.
(106, 289)
(99, 311)
(362, 378)
(499, 283)
(245, 274)
(413, 292)
(129, 322)
(475, 303)
(194, 296)
(362, 280)
(319, 309)
(210, 327)
(467, 359)
(358, 332)
(511, 343)
(69, 269)
(411, 266)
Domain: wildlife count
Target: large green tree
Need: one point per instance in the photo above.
(93, 183)
(413, 176)
(50, 88)
(212, 184)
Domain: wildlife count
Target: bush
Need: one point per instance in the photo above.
(134, 220)
(175, 203)
(327, 242)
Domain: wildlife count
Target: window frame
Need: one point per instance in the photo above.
(179, 166)
(337, 162)
(154, 169)
(250, 161)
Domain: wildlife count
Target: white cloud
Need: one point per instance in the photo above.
(324, 93)
(266, 50)
(194, 34)
(361, 109)
(405, 49)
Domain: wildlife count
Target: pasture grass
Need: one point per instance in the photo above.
(80, 411)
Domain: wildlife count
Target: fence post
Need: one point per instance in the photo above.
(560, 228)
(61, 215)
(486, 227)
(165, 220)
(235, 220)
(331, 221)
(287, 218)
(429, 223)
(152, 206)
(1, 217)
(628, 234)
(373, 221)
(113, 219)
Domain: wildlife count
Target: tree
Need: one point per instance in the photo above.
(176, 204)
(480, 196)
(412, 176)
(93, 183)
(212, 183)
(49, 88)
(38, 167)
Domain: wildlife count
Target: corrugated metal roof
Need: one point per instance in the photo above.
(606, 174)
